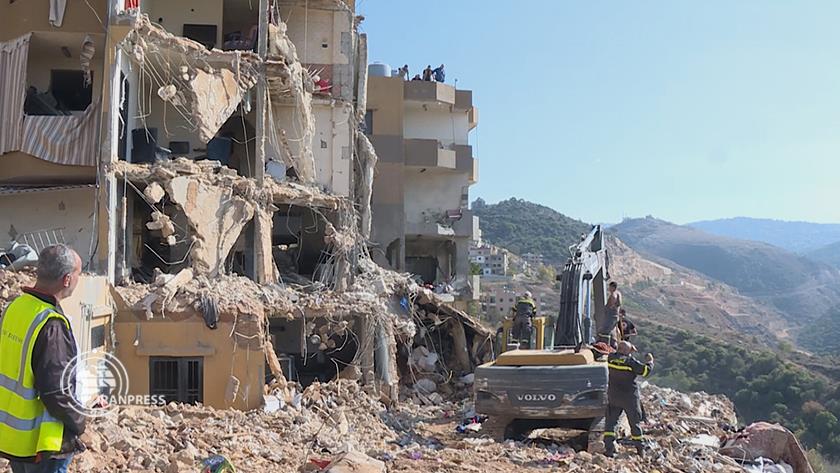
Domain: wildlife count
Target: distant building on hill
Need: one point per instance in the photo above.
(534, 259)
(492, 260)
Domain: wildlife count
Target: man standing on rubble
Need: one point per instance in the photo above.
(39, 429)
(623, 395)
(524, 312)
(606, 327)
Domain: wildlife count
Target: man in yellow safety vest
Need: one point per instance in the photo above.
(39, 428)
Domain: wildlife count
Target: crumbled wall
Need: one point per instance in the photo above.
(216, 215)
(203, 86)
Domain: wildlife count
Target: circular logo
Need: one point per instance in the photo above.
(95, 381)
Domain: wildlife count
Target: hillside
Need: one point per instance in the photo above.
(526, 227)
(795, 285)
(829, 254)
(680, 297)
(762, 384)
(799, 237)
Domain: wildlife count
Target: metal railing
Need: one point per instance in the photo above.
(41, 239)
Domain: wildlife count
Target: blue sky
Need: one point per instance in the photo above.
(612, 109)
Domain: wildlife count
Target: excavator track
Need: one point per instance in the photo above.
(497, 428)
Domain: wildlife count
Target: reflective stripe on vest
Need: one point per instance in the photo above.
(26, 427)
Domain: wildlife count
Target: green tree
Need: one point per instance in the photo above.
(546, 273)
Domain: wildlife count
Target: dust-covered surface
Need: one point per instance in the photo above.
(11, 283)
(328, 419)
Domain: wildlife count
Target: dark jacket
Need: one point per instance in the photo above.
(54, 348)
(525, 307)
(623, 387)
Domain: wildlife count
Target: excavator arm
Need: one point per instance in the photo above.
(583, 291)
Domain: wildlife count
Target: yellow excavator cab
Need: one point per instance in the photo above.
(537, 334)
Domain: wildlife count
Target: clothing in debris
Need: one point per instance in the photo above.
(623, 396)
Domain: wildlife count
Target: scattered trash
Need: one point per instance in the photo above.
(320, 463)
(472, 424)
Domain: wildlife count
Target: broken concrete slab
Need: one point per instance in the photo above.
(355, 462)
(217, 217)
(214, 97)
(212, 83)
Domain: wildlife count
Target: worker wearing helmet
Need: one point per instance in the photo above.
(623, 395)
(524, 312)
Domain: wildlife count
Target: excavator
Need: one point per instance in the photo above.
(558, 383)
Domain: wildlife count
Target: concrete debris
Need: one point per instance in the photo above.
(425, 386)
(423, 359)
(161, 222)
(768, 441)
(355, 462)
(340, 426)
(217, 217)
(207, 85)
(214, 174)
(367, 160)
(154, 193)
(166, 286)
(290, 90)
(11, 283)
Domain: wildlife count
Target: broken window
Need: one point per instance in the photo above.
(177, 379)
(97, 337)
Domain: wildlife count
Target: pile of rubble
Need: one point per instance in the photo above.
(12, 281)
(318, 423)
(307, 430)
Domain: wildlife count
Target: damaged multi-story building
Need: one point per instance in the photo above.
(207, 161)
(422, 220)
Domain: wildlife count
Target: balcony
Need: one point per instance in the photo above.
(429, 229)
(428, 154)
(465, 162)
(472, 117)
(463, 99)
(427, 91)
(389, 148)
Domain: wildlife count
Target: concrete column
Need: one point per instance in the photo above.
(108, 218)
(462, 257)
(263, 261)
